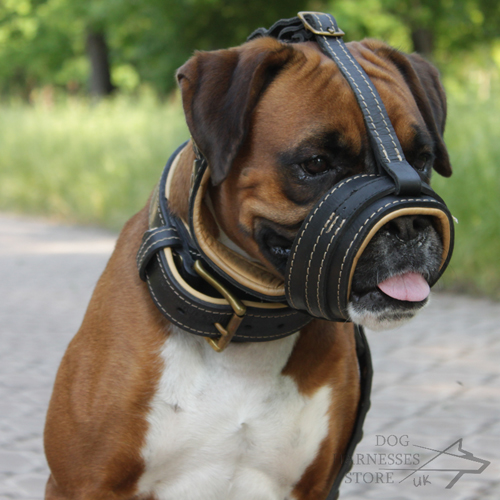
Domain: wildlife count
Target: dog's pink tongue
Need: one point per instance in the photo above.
(410, 286)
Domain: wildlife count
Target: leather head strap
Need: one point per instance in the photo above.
(323, 29)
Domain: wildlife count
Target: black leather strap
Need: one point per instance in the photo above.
(366, 376)
(154, 240)
(178, 290)
(388, 151)
(167, 282)
(318, 272)
(323, 254)
(287, 30)
(319, 238)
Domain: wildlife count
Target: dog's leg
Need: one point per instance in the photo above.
(96, 422)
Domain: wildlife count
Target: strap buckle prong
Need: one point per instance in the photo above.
(238, 307)
(330, 31)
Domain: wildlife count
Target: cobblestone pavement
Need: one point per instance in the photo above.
(436, 379)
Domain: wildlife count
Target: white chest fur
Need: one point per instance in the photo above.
(229, 426)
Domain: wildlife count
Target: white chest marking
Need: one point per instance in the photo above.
(229, 426)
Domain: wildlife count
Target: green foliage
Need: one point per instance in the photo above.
(37, 41)
(97, 164)
(457, 24)
(91, 164)
(160, 36)
(370, 18)
(449, 29)
(473, 195)
(43, 41)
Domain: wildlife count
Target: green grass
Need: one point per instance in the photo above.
(88, 164)
(98, 164)
(473, 196)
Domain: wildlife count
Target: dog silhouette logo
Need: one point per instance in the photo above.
(452, 459)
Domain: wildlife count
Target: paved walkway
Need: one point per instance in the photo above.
(437, 380)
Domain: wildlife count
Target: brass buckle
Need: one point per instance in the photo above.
(331, 31)
(238, 307)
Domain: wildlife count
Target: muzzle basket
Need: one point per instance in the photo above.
(333, 237)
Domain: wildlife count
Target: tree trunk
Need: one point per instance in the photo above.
(100, 79)
(423, 41)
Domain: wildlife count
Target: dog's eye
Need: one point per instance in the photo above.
(422, 162)
(316, 165)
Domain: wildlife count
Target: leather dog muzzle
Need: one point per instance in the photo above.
(332, 238)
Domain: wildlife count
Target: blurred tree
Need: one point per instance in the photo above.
(157, 36)
(100, 75)
(45, 41)
(37, 39)
(88, 45)
(435, 28)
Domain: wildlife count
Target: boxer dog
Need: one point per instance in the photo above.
(143, 410)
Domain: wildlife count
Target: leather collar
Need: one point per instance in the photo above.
(190, 296)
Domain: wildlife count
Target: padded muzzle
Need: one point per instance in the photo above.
(334, 235)
(332, 238)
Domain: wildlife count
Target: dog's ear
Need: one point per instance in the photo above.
(423, 80)
(220, 90)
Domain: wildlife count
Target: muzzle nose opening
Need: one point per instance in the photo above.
(404, 221)
(408, 227)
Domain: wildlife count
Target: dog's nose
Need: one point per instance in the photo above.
(408, 227)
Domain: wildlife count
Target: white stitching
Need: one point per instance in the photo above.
(339, 42)
(321, 266)
(182, 298)
(154, 243)
(208, 310)
(159, 209)
(359, 230)
(311, 257)
(329, 230)
(204, 333)
(154, 233)
(158, 303)
(307, 224)
(398, 154)
(141, 250)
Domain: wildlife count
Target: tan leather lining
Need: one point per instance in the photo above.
(441, 217)
(250, 274)
(213, 300)
(171, 173)
(173, 267)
